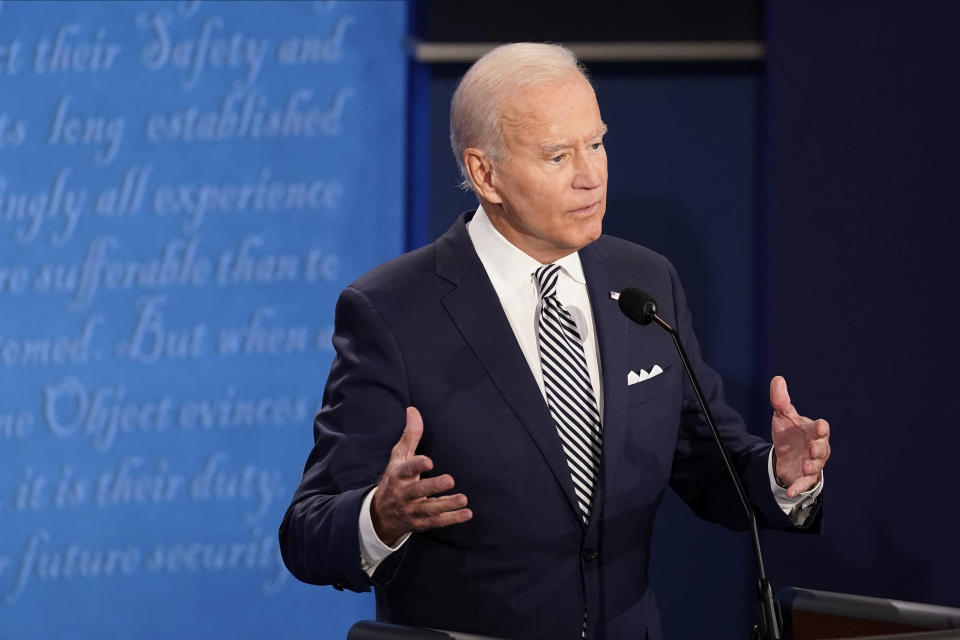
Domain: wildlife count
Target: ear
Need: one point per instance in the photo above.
(481, 171)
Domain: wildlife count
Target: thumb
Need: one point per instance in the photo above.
(779, 397)
(412, 433)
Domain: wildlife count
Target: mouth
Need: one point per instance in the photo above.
(587, 210)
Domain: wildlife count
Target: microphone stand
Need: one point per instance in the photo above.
(769, 624)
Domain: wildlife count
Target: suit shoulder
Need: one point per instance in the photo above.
(405, 282)
(398, 272)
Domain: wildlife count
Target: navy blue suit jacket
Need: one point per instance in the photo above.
(428, 330)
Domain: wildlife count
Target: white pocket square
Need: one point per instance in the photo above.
(633, 377)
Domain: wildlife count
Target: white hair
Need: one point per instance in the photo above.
(491, 81)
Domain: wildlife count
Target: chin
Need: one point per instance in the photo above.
(591, 238)
(585, 237)
(593, 228)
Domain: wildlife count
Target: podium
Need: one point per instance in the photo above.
(809, 614)
(369, 630)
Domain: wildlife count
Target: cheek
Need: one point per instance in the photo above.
(532, 192)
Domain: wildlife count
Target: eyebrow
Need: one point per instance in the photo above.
(553, 148)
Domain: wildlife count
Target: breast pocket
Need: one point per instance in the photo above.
(646, 390)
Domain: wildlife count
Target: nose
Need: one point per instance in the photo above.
(590, 170)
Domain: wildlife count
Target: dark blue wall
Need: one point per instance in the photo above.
(863, 314)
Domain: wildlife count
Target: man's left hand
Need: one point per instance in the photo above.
(801, 445)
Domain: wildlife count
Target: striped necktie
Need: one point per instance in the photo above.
(568, 388)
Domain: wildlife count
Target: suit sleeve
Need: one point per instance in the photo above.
(362, 417)
(699, 475)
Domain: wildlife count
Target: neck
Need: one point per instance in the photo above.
(538, 250)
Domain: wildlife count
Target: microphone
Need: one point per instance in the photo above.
(640, 306)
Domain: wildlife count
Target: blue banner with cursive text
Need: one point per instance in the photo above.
(185, 187)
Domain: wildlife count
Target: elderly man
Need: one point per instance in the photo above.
(496, 436)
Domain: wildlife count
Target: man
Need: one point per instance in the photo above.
(496, 436)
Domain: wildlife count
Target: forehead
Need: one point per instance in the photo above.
(550, 112)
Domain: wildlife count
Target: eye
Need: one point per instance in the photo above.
(596, 146)
(557, 159)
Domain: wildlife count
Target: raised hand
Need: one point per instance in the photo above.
(404, 502)
(801, 445)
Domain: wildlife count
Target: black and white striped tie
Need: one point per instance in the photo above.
(569, 391)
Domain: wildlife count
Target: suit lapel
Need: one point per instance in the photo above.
(475, 309)
(611, 327)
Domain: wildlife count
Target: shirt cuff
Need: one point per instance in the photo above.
(373, 550)
(797, 508)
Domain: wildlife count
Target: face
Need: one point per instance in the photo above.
(548, 193)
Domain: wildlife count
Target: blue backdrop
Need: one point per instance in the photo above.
(185, 188)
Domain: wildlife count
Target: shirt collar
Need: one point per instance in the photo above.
(506, 264)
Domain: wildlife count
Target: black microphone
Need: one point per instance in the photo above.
(640, 306)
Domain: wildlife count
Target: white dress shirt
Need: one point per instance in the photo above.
(512, 273)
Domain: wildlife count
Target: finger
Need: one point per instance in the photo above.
(432, 507)
(802, 484)
(413, 467)
(428, 487)
(412, 432)
(444, 519)
(812, 467)
(779, 397)
(820, 449)
(822, 428)
(817, 449)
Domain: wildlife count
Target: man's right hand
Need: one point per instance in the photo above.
(403, 501)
